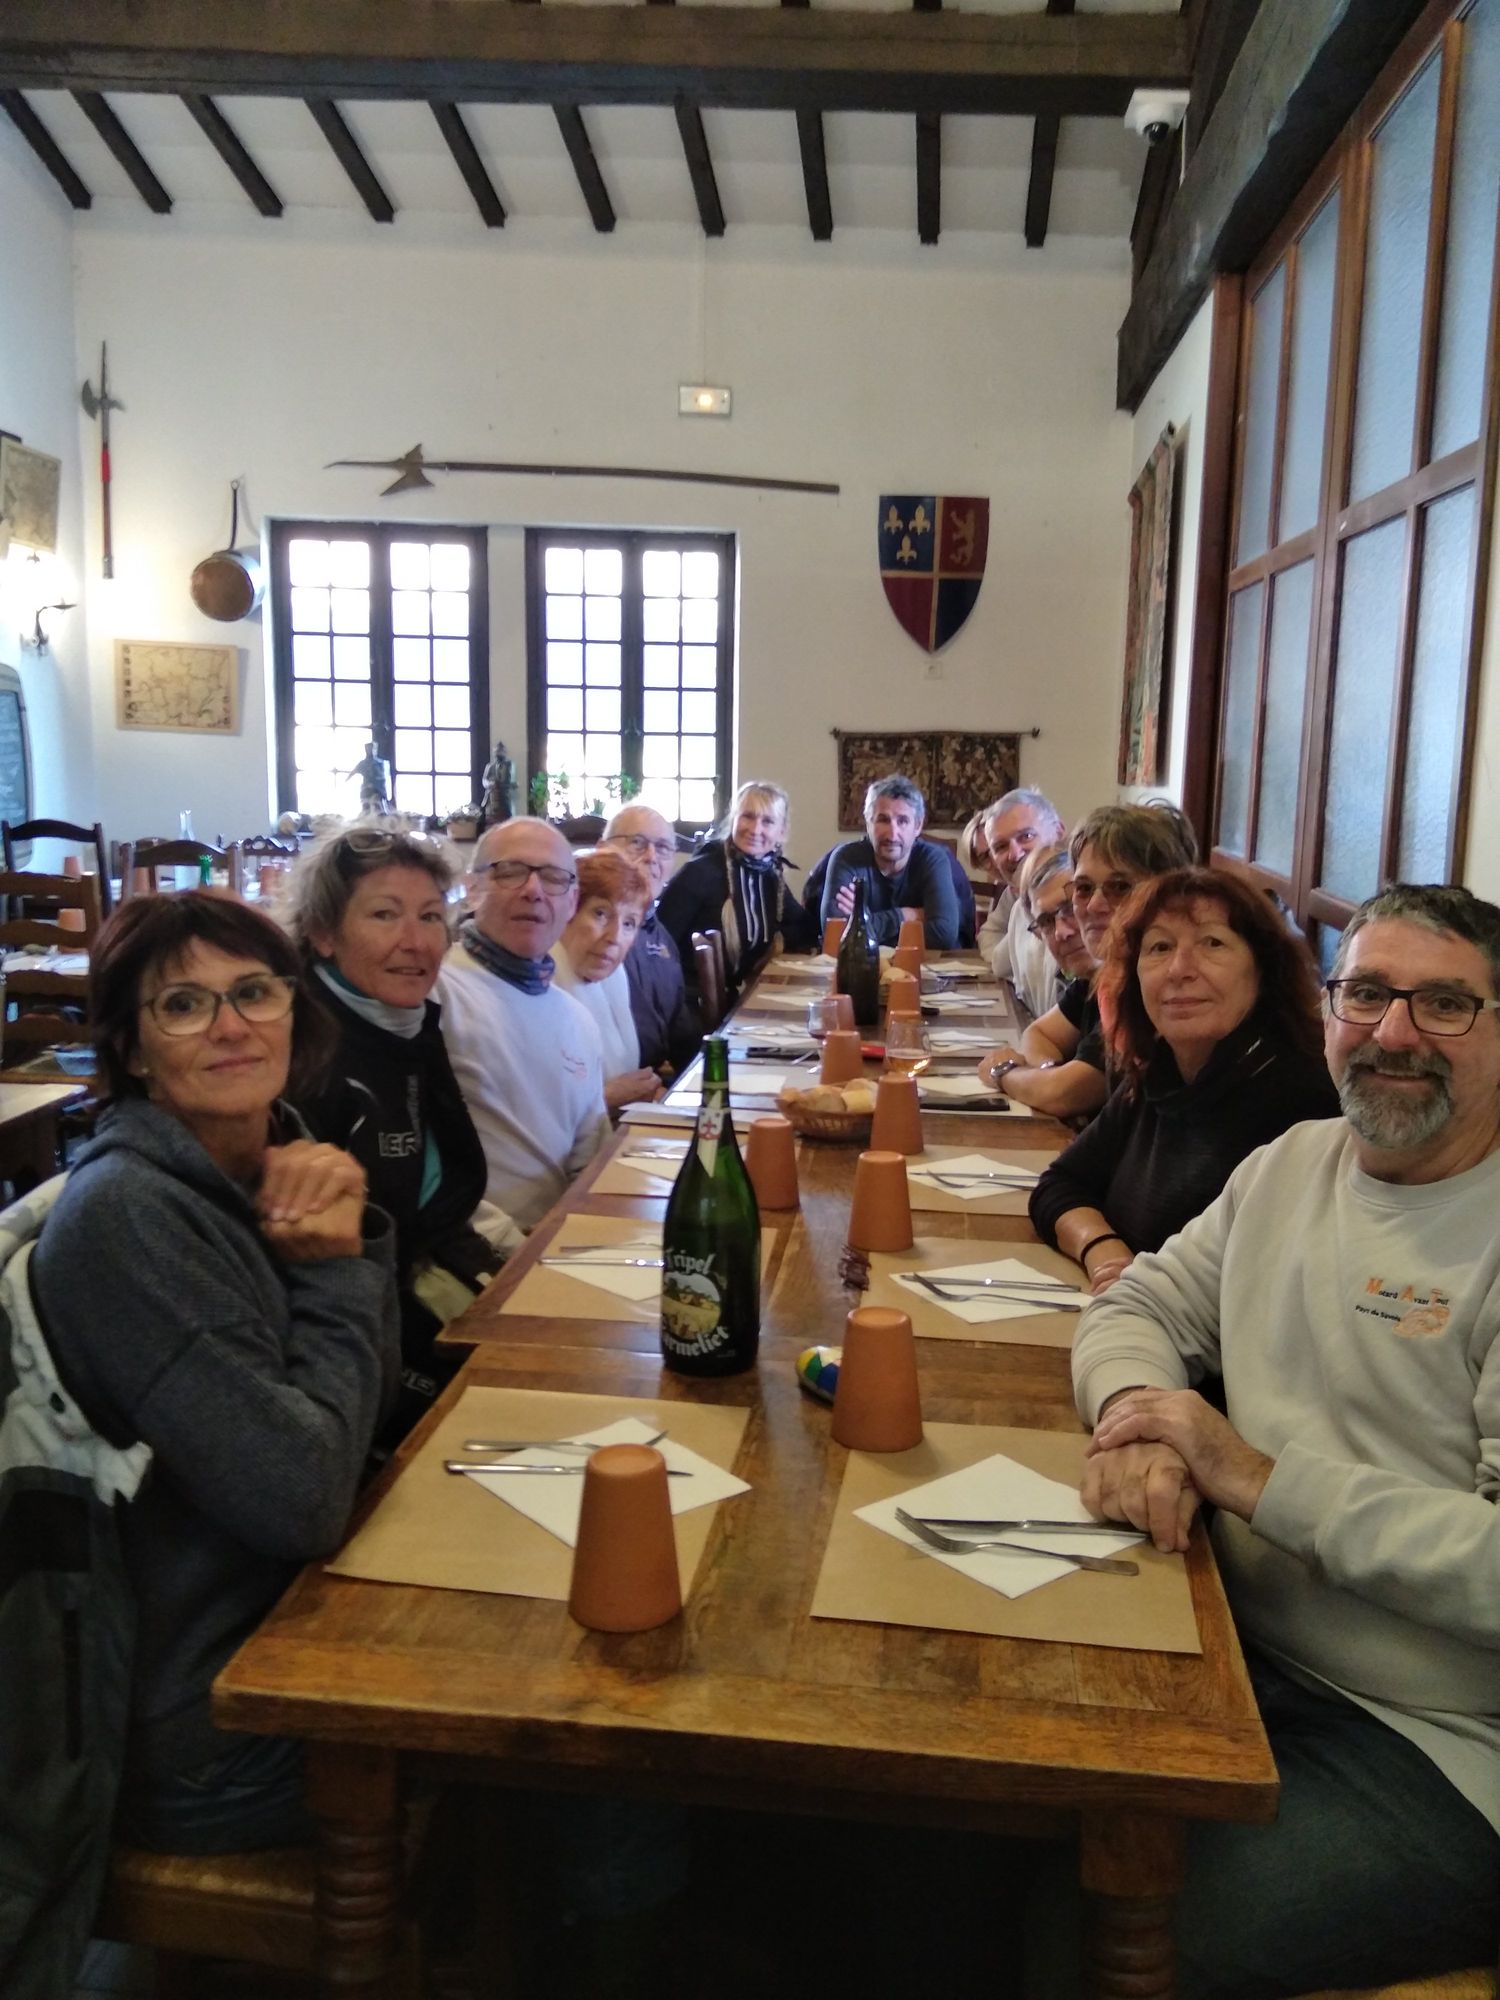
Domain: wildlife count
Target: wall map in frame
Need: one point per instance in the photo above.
(958, 770)
(159, 685)
(29, 485)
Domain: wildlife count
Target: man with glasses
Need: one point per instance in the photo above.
(526, 1055)
(1346, 1285)
(665, 1020)
(1044, 898)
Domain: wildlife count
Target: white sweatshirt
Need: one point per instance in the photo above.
(607, 1004)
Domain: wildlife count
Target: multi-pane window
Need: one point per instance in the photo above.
(1364, 412)
(380, 639)
(631, 671)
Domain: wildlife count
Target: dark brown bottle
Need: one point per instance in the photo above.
(857, 971)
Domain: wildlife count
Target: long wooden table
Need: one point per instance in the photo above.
(745, 1699)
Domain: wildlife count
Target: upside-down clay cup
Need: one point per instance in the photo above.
(913, 932)
(842, 1061)
(902, 996)
(846, 1010)
(877, 1405)
(771, 1162)
(898, 1116)
(907, 958)
(625, 1562)
(833, 933)
(880, 1213)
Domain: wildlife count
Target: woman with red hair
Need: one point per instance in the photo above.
(614, 895)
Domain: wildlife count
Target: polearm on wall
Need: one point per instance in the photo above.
(100, 406)
(412, 470)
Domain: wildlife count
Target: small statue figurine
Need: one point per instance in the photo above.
(499, 787)
(374, 774)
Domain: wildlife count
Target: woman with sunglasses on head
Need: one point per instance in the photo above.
(369, 907)
(213, 1284)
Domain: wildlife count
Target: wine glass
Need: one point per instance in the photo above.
(823, 1017)
(908, 1047)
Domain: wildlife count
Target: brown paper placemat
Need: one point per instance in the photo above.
(871, 1577)
(553, 1294)
(1008, 1202)
(928, 1319)
(642, 1182)
(437, 1529)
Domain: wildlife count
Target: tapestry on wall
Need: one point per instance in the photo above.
(958, 770)
(932, 555)
(1147, 616)
(159, 685)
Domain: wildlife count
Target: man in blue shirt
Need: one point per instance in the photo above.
(904, 875)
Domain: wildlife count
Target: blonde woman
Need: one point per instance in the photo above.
(735, 884)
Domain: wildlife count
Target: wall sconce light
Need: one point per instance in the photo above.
(698, 399)
(39, 641)
(28, 583)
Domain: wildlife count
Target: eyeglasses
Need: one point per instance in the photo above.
(1114, 890)
(259, 998)
(1044, 925)
(1434, 1010)
(511, 874)
(639, 844)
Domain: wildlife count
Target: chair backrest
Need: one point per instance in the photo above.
(62, 829)
(708, 952)
(153, 855)
(50, 1004)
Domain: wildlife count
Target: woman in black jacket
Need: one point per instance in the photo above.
(735, 884)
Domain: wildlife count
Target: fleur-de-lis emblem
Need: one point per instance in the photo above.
(920, 524)
(893, 522)
(906, 553)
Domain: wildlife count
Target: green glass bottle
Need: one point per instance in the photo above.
(710, 1281)
(857, 968)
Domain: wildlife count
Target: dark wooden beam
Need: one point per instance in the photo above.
(466, 159)
(929, 175)
(493, 51)
(46, 148)
(815, 174)
(700, 167)
(127, 153)
(1220, 35)
(230, 148)
(1159, 177)
(1044, 137)
(581, 153)
(1303, 68)
(330, 122)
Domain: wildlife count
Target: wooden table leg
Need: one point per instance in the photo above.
(1132, 1870)
(354, 1794)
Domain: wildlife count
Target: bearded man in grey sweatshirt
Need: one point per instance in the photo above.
(1346, 1285)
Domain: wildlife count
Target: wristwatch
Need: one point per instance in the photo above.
(999, 1069)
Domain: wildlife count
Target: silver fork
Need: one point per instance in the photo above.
(548, 1444)
(952, 1546)
(964, 1291)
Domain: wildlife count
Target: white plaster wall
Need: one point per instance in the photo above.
(39, 402)
(970, 369)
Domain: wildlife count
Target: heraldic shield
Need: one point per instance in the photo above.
(932, 552)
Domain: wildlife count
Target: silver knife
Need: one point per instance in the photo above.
(1042, 1527)
(509, 1465)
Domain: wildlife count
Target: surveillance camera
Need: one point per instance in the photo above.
(1154, 114)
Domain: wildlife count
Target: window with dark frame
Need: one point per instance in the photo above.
(1363, 491)
(380, 635)
(630, 652)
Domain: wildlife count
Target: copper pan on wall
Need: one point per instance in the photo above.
(229, 584)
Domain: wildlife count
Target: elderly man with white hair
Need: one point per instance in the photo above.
(1014, 825)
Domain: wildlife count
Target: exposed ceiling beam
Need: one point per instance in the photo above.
(1044, 137)
(1303, 68)
(700, 166)
(231, 149)
(46, 148)
(104, 121)
(493, 51)
(329, 121)
(466, 159)
(929, 175)
(581, 153)
(815, 175)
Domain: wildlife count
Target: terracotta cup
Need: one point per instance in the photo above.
(898, 1116)
(912, 933)
(901, 995)
(771, 1160)
(268, 875)
(880, 1214)
(71, 920)
(842, 1061)
(625, 1562)
(833, 932)
(141, 883)
(877, 1405)
(907, 958)
(72, 865)
(846, 1010)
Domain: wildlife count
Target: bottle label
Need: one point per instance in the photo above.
(710, 1131)
(692, 1306)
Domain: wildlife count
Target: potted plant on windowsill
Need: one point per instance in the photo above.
(553, 793)
(463, 825)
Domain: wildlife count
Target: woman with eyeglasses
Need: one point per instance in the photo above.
(214, 1284)
(369, 907)
(613, 895)
(735, 884)
(1216, 1035)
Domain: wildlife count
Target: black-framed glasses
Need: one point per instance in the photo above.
(1044, 925)
(640, 843)
(186, 1009)
(1434, 1010)
(511, 874)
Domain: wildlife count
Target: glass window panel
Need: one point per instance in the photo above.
(414, 749)
(318, 792)
(307, 562)
(1363, 689)
(312, 702)
(661, 795)
(450, 750)
(449, 793)
(309, 657)
(313, 749)
(603, 709)
(414, 793)
(562, 572)
(698, 803)
(1239, 718)
(564, 753)
(700, 573)
(1281, 743)
(450, 613)
(661, 573)
(659, 666)
(411, 660)
(349, 565)
(1390, 338)
(351, 704)
(700, 666)
(659, 711)
(411, 566)
(409, 611)
(309, 610)
(700, 756)
(1435, 723)
(450, 571)
(602, 666)
(564, 664)
(1327, 947)
(603, 572)
(450, 708)
(349, 746)
(450, 660)
(659, 620)
(351, 610)
(601, 617)
(700, 713)
(1307, 390)
(412, 705)
(601, 756)
(351, 658)
(1260, 418)
(1471, 235)
(565, 708)
(700, 621)
(658, 756)
(564, 617)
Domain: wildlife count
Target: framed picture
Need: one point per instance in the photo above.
(958, 770)
(1147, 616)
(29, 483)
(159, 685)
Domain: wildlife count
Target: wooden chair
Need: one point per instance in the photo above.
(62, 829)
(41, 995)
(1478, 1985)
(708, 952)
(154, 855)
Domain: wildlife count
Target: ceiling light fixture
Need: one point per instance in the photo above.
(698, 399)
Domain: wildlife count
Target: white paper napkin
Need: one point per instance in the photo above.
(657, 1159)
(986, 1002)
(983, 1166)
(602, 1265)
(772, 1034)
(983, 1306)
(945, 1040)
(961, 1089)
(954, 968)
(679, 1108)
(553, 1500)
(764, 1079)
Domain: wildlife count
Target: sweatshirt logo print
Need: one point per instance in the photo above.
(1415, 1312)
